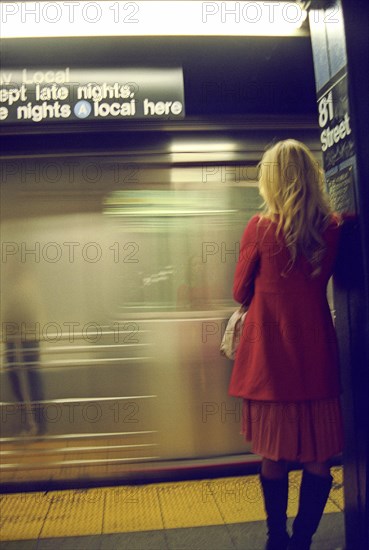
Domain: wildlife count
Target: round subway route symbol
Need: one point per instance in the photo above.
(82, 109)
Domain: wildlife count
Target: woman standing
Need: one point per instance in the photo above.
(286, 368)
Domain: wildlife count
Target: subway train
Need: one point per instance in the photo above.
(118, 255)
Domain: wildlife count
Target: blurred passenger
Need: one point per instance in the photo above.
(21, 329)
(286, 367)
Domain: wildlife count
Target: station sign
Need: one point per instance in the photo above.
(336, 136)
(336, 132)
(64, 94)
(337, 143)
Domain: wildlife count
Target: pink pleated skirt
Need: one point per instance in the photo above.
(304, 431)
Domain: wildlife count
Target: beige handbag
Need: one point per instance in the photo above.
(232, 333)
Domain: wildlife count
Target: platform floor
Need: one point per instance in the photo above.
(217, 514)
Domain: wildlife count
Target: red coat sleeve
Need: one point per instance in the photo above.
(247, 265)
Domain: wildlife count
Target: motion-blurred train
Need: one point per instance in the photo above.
(117, 268)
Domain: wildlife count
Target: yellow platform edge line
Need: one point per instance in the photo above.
(125, 509)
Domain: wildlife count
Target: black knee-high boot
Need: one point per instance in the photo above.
(275, 493)
(314, 494)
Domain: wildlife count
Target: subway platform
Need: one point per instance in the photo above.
(217, 514)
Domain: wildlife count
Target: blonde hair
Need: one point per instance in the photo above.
(292, 186)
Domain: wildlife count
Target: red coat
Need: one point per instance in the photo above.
(288, 347)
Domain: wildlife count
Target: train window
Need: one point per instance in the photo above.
(176, 248)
